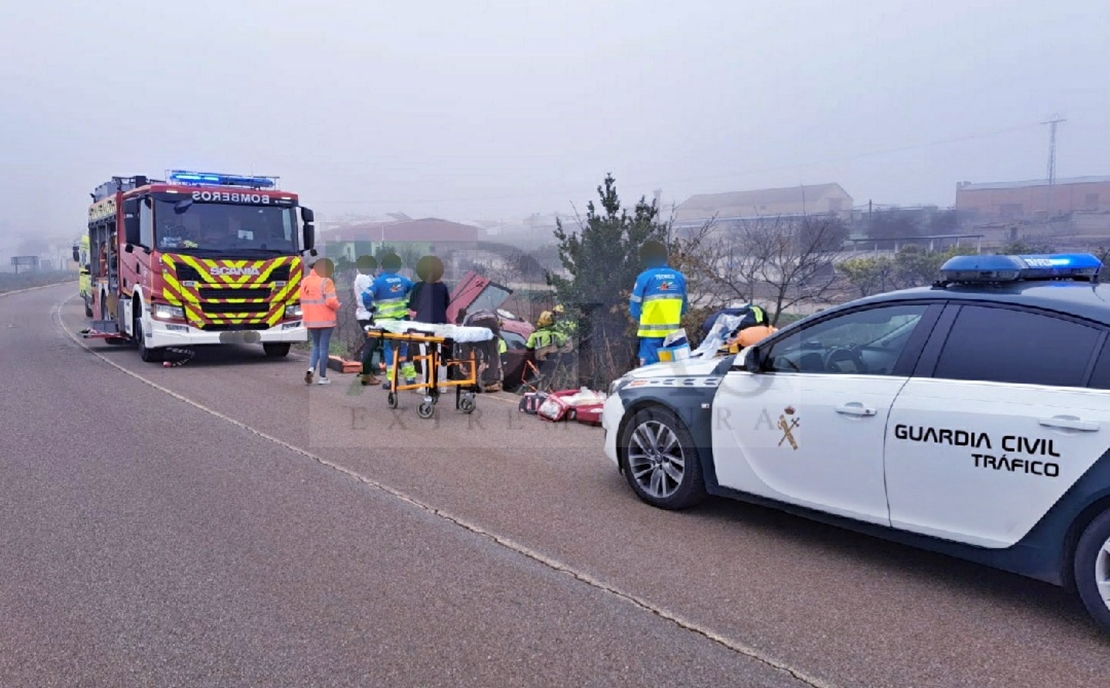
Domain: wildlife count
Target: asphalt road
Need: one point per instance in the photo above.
(221, 523)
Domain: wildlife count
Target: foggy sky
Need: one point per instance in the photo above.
(496, 109)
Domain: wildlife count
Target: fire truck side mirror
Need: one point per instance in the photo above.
(308, 231)
(76, 254)
(131, 221)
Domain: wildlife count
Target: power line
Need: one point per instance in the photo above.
(1052, 122)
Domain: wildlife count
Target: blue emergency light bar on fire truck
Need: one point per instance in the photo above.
(219, 179)
(995, 269)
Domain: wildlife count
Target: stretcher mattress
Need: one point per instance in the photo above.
(458, 333)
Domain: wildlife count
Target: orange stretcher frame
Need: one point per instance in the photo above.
(433, 359)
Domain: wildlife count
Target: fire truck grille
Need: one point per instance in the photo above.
(187, 273)
(231, 293)
(221, 308)
(228, 327)
(280, 274)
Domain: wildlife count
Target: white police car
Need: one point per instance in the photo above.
(970, 418)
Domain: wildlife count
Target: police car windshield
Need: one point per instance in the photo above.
(224, 228)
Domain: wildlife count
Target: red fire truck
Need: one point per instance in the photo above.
(197, 258)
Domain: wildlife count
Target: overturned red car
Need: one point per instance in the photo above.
(477, 300)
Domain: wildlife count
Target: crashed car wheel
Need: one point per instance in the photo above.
(661, 461)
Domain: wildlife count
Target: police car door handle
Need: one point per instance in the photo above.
(855, 409)
(1069, 423)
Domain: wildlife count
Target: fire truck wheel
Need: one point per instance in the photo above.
(276, 349)
(148, 355)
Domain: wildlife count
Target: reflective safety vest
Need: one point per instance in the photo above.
(567, 328)
(318, 301)
(391, 294)
(658, 301)
(545, 336)
(502, 347)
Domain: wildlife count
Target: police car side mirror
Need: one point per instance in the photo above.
(750, 360)
(76, 255)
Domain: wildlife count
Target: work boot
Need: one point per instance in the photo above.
(369, 379)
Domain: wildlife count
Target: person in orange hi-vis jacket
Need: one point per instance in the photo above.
(318, 307)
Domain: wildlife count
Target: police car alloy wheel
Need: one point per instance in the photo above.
(1092, 569)
(661, 463)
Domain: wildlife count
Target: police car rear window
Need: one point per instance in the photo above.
(1100, 376)
(1006, 345)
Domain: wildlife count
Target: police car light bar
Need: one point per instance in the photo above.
(217, 179)
(992, 269)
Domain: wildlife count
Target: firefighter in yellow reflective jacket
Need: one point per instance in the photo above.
(567, 327)
(547, 344)
(658, 301)
(545, 334)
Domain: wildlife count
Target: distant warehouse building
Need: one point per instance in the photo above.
(789, 202)
(1032, 200)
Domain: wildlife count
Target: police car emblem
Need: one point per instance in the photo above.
(787, 427)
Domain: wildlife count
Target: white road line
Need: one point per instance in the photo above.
(524, 550)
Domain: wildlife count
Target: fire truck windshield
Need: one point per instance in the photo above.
(224, 228)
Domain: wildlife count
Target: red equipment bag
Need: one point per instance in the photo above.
(557, 407)
(530, 402)
(589, 414)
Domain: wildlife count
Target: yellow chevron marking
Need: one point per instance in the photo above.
(175, 286)
(201, 270)
(286, 293)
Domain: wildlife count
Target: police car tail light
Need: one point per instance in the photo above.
(993, 269)
(219, 179)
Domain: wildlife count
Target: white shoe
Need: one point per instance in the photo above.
(323, 381)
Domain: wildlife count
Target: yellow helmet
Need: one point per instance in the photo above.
(558, 309)
(546, 319)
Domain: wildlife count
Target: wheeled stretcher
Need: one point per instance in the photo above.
(438, 343)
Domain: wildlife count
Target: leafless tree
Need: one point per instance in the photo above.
(717, 271)
(793, 258)
(779, 262)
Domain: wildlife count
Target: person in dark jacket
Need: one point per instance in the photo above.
(429, 298)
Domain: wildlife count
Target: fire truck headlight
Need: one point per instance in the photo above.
(164, 311)
(293, 311)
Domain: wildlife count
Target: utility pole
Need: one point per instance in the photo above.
(1052, 122)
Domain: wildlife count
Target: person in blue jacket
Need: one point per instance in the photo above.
(390, 292)
(658, 301)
